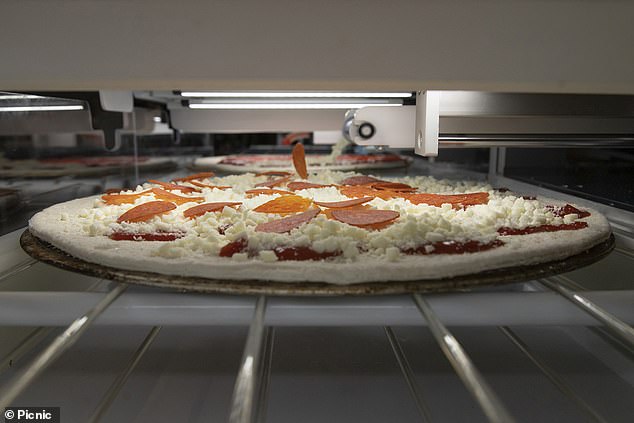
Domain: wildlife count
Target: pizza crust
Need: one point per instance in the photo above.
(68, 235)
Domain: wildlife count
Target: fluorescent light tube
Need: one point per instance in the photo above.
(292, 94)
(284, 106)
(40, 108)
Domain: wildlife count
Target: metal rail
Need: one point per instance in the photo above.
(535, 141)
(115, 388)
(614, 325)
(552, 376)
(56, 348)
(13, 270)
(265, 375)
(408, 374)
(244, 389)
(25, 345)
(491, 405)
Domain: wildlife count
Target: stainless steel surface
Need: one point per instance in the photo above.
(120, 381)
(552, 376)
(613, 324)
(462, 364)
(243, 401)
(29, 342)
(17, 268)
(145, 306)
(64, 341)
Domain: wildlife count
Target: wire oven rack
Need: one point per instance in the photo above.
(556, 302)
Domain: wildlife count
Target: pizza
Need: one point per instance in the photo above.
(243, 163)
(334, 227)
(79, 166)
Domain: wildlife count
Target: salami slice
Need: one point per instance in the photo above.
(274, 182)
(287, 204)
(157, 236)
(173, 187)
(207, 207)
(146, 211)
(364, 218)
(361, 180)
(300, 185)
(344, 204)
(286, 224)
(161, 194)
(199, 176)
(299, 160)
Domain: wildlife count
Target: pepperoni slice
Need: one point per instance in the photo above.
(457, 201)
(146, 211)
(233, 247)
(113, 190)
(168, 196)
(265, 191)
(286, 224)
(299, 160)
(285, 205)
(344, 204)
(207, 207)
(328, 212)
(300, 185)
(364, 218)
(365, 191)
(274, 182)
(274, 173)
(201, 175)
(361, 180)
(302, 254)
(201, 185)
(393, 186)
(122, 198)
(157, 236)
(167, 185)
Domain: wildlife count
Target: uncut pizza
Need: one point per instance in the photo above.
(333, 227)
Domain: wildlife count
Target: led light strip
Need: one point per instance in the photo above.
(40, 108)
(290, 94)
(284, 106)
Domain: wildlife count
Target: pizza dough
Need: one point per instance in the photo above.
(353, 252)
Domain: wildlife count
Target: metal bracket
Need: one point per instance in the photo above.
(398, 127)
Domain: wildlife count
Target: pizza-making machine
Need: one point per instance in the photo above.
(554, 349)
(423, 121)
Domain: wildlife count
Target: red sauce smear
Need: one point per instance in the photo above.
(302, 253)
(568, 209)
(542, 228)
(158, 236)
(454, 247)
(233, 248)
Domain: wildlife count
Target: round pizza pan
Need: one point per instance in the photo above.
(47, 253)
